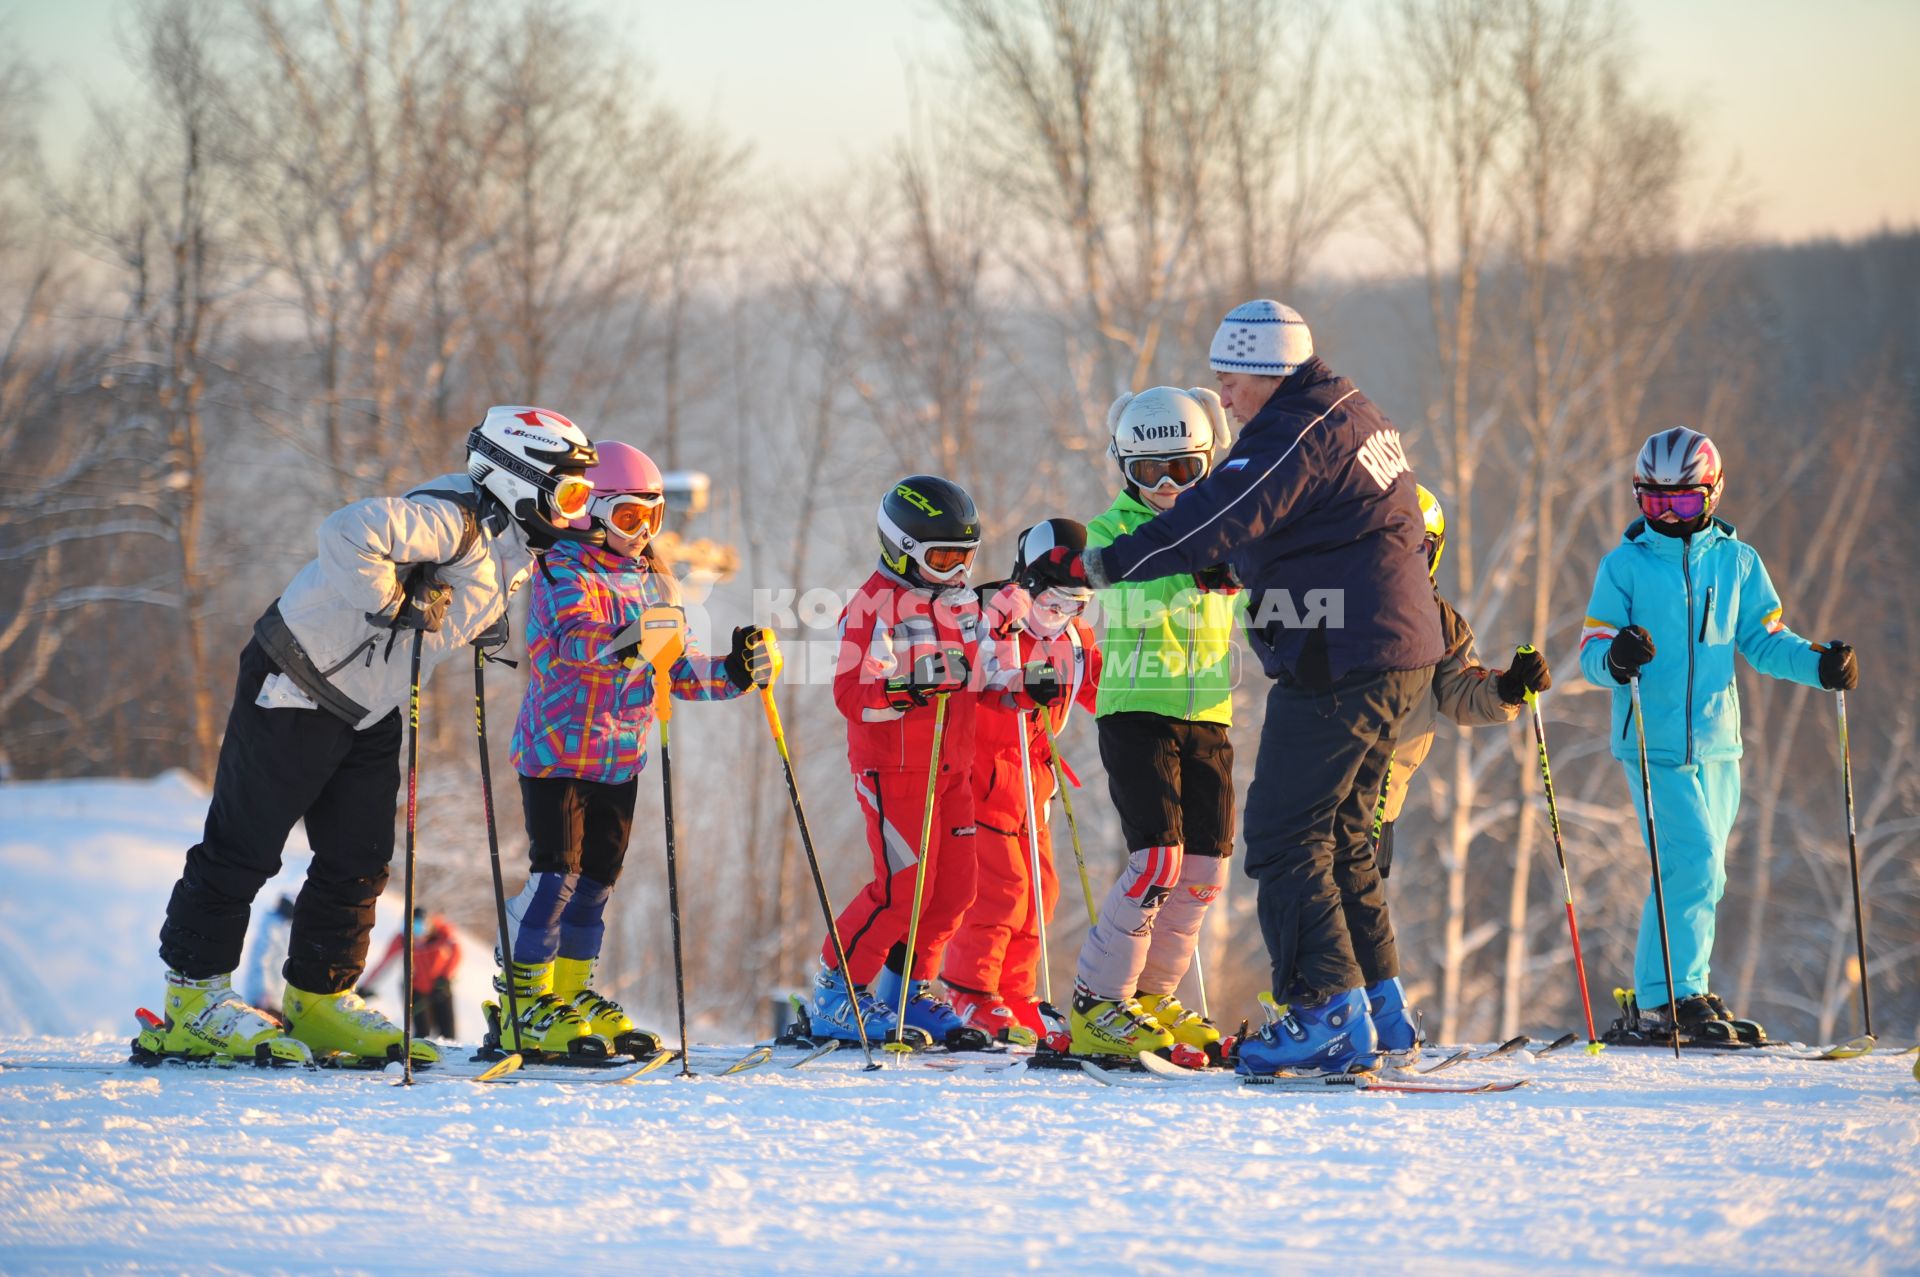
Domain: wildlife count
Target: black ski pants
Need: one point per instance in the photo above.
(1309, 816)
(433, 1010)
(277, 767)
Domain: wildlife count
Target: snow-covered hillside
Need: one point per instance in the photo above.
(86, 867)
(1621, 1163)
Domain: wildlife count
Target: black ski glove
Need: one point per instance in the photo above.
(495, 636)
(934, 672)
(750, 663)
(1383, 849)
(423, 602)
(1839, 672)
(1527, 673)
(1042, 682)
(1631, 648)
(1218, 579)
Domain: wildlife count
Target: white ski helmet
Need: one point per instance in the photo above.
(1261, 337)
(1681, 459)
(533, 461)
(1167, 435)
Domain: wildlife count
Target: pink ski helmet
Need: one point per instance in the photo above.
(629, 495)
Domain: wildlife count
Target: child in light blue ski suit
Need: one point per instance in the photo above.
(1671, 604)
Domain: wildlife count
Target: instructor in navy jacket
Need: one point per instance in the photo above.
(1315, 512)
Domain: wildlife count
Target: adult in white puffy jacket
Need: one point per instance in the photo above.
(315, 735)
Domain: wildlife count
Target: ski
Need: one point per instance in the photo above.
(1463, 1054)
(1560, 1043)
(1374, 1082)
(1302, 1082)
(818, 1053)
(751, 1060)
(1505, 1048)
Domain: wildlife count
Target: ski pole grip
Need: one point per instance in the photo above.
(1528, 649)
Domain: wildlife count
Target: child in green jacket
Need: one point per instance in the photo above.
(1165, 706)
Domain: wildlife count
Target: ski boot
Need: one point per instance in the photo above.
(1189, 1028)
(928, 1013)
(1394, 1024)
(1333, 1035)
(1113, 1026)
(206, 1020)
(572, 984)
(986, 1011)
(1044, 1020)
(543, 1025)
(831, 1014)
(1748, 1031)
(1698, 1024)
(342, 1029)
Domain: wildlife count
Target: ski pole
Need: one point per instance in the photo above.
(1853, 861)
(1560, 850)
(663, 712)
(1653, 853)
(1073, 826)
(493, 844)
(1200, 974)
(899, 1043)
(813, 864)
(413, 825)
(1033, 850)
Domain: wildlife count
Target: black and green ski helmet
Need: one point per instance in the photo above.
(929, 531)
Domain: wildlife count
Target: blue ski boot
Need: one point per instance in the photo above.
(929, 1014)
(831, 1012)
(1334, 1036)
(1394, 1025)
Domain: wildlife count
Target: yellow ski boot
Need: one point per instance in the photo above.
(206, 1020)
(1107, 1026)
(341, 1026)
(546, 1025)
(573, 984)
(1187, 1027)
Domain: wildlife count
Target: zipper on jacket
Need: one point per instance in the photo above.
(1705, 613)
(348, 659)
(1686, 578)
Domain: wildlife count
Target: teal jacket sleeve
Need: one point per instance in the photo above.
(1609, 610)
(1763, 637)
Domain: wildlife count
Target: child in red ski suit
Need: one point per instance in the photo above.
(991, 963)
(910, 639)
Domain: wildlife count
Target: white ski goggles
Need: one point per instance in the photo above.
(1181, 471)
(631, 513)
(945, 560)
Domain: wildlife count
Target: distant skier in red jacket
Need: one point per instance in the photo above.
(436, 956)
(991, 963)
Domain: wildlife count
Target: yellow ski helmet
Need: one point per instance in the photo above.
(1436, 519)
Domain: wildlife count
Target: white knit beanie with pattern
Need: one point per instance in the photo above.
(1261, 337)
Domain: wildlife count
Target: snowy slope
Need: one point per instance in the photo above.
(1622, 1163)
(85, 870)
(1625, 1162)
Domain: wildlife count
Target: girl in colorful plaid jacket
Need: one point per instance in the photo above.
(579, 746)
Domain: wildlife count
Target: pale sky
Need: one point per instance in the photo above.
(1817, 104)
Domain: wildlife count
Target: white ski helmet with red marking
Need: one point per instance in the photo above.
(534, 462)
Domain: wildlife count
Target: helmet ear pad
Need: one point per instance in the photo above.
(1113, 424)
(1209, 400)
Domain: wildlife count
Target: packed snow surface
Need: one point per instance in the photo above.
(1628, 1161)
(1621, 1163)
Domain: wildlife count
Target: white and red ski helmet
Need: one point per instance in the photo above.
(534, 462)
(1681, 458)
